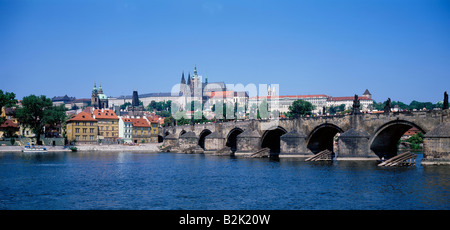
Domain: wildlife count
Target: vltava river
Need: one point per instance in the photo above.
(167, 181)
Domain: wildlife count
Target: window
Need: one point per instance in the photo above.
(91, 130)
(77, 130)
(84, 130)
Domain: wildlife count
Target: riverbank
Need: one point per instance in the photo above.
(149, 147)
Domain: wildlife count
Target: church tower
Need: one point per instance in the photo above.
(183, 86)
(94, 97)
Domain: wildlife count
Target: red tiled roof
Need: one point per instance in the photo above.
(346, 98)
(9, 124)
(292, 96)
(126, 119)
(221, 94)
(83, 116)
(104, 114)
(140, 122)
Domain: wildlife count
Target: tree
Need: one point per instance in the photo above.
(38, 111)
(125, 105)
(7, 100)
(300, 108)
(263, 110)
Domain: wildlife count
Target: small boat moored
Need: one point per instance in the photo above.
(32, 149)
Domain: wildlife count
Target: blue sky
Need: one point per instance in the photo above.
(397, 49)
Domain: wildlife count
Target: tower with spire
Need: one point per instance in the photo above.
(98, 99)
(94, 96)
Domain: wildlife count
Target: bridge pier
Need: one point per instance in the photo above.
(248, 141)
(436, 145)
(293, 142)
(354, 144)
(214, 142)
(188, 140)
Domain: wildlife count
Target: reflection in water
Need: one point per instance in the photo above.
(97, 180)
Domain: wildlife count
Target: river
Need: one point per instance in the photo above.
(171, 181)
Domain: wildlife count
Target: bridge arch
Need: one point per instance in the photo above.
(271, 139)
(384, 141)
(321, 137)
(182, 132)
(232, 138)
(201, 138)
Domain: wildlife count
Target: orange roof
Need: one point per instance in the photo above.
(104, 114)
(221, 94)
(9, 124)
(83, 116)
(347, 98)
(126, 119)
(140, 122)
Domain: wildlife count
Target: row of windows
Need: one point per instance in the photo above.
(107, 128)
(91, 130)
(107, 134)
(106, 122)
(84, 137)
(84, 123)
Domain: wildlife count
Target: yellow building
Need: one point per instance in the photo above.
(108, 125)
(155, 131)
(83, 128)
(142, 130)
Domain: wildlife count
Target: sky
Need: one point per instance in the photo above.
(395, 48)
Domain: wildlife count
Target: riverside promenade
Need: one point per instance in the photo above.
(149, 147)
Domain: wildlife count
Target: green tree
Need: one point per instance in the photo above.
(300, 108)
(124, 106)
(416, 140)
(36, 111)
(7, 100)
(263, 110)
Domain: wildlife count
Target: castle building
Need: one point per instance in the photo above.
(98, 99)
(195, 87)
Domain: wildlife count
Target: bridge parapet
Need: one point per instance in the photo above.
(361, 135)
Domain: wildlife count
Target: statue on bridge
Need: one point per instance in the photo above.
(445, 106)
(356, 105)
(387, 107)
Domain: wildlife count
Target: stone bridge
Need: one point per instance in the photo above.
(357, 136)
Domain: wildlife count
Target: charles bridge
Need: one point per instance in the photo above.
(359, 136)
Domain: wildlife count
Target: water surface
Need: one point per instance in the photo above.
(168, 181)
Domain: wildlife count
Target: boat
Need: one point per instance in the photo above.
(32, 149)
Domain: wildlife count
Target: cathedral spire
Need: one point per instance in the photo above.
(195, 70)
(95, 87)
(183, 81)
(189, 78)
